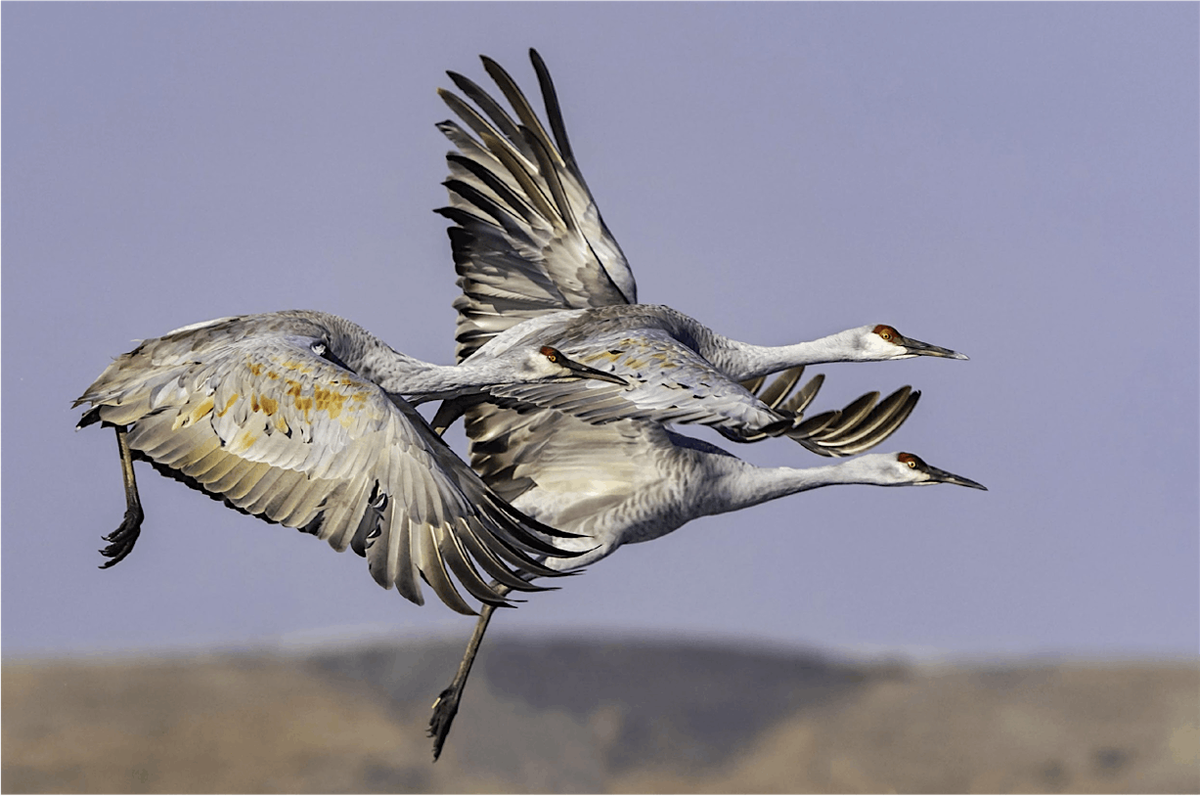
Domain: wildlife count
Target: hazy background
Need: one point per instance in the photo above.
(1014, 181)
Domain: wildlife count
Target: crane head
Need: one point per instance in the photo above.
(909, 469)
(550, 364)
(883, 342)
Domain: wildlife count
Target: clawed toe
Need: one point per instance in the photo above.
(123, 538)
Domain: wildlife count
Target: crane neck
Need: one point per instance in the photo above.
(400, 374)
(394, 372)
(754, 485)
(742, 361)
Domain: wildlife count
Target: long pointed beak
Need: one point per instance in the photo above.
(917, 348)
(939, 476)
(582, 371)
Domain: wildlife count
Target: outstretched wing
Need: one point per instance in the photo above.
(529, 237)
(275, 430)
(666, 381)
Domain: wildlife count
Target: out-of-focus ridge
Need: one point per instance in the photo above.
(601, 716)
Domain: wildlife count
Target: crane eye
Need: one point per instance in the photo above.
(549, 353)
(909, 459)
(887, 332)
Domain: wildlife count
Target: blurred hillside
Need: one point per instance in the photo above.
(576, 716)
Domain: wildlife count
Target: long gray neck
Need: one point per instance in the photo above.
(398, 373)
(404, 375)
(754, 485)
(742, 361)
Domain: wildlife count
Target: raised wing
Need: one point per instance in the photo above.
(861, 425)
(529, 237)
(275, 430)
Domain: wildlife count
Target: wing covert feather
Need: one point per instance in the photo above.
(667, 382)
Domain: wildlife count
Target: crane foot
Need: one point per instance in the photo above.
(445, 708)
(124, 537)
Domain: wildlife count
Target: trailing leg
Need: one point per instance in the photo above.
(126, 534)
(445, 707)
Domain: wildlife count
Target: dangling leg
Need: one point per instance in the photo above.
(124, 537)
(445, 707)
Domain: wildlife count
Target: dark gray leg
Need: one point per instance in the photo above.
(124, 537)
(445, 707)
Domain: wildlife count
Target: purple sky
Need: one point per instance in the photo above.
(1014, 181)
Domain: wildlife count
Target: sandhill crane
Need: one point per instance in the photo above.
(296, 417)
(530, 241)
(633, 481)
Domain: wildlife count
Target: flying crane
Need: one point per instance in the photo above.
(297, 417)
(529, 243)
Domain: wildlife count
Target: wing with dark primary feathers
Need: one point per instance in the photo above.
(246, 410)
(529, 237)
(859, 426)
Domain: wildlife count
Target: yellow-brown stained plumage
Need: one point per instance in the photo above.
(296, 390)
(305, 405)
(328, 401)
(187, 418)
(611, 356)
(232, 399)
(241, 442)
(296, 365)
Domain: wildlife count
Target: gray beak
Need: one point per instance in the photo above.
(584, 372)
(939, 476)
(920, 349)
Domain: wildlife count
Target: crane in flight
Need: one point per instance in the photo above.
(529, 243)
(297, 417)
(529, 240)
(633, 481)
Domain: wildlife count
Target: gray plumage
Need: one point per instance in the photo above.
(529, 239)
(529, 242)
(299, 418)
(655, 351)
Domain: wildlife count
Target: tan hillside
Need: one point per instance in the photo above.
(572, 716)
